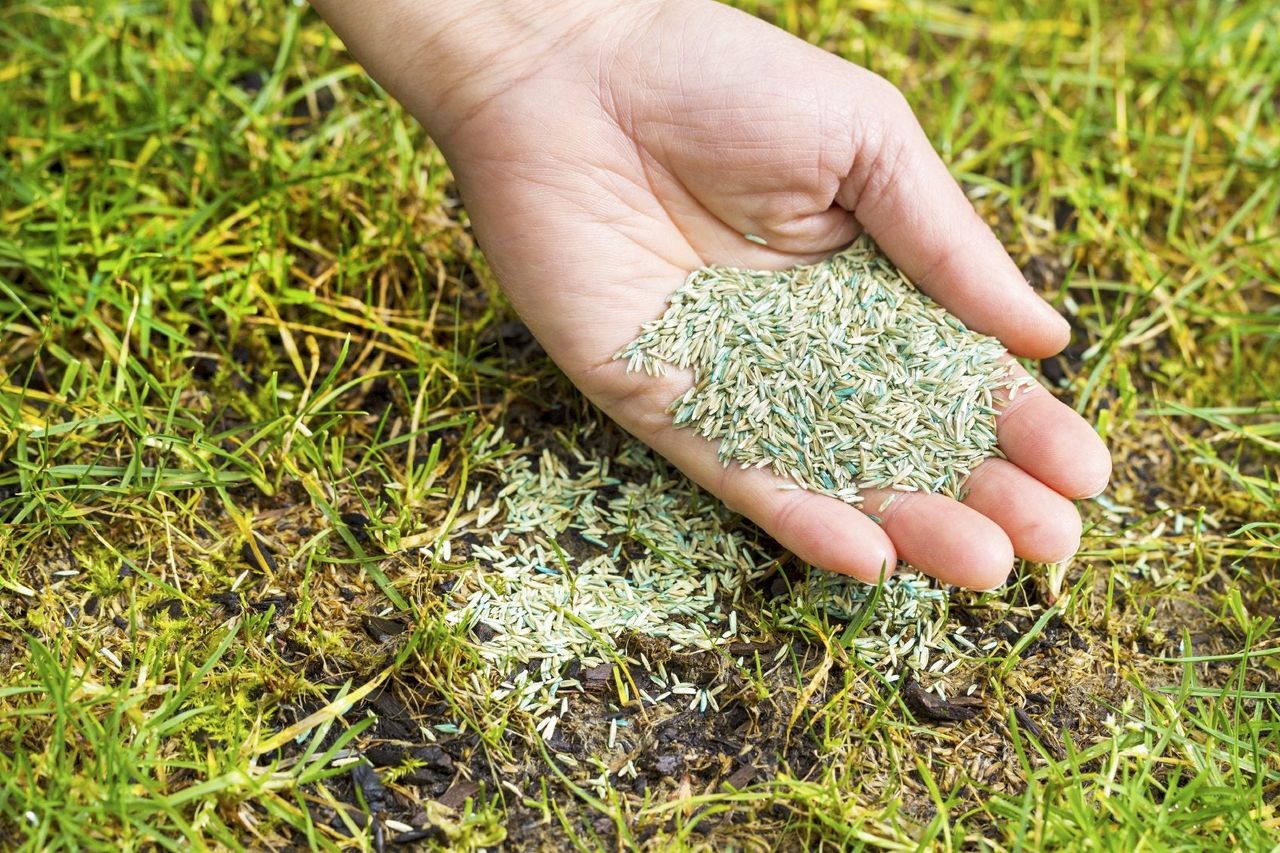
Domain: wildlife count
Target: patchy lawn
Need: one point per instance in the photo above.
(253, 374)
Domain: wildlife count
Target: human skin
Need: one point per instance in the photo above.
(605, 150)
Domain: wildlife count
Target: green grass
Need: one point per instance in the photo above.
(238, 296)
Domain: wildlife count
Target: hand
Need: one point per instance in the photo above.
(604, 151)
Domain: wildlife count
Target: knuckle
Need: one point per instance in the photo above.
(878, 171)
(885, 101)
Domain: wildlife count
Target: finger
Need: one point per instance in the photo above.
(943, 538)
(1042, 525)
(794, 232)
(820, 231)
(822, 531)
(755, 246)
(902, 193)
(1046, 438)
(735, 226)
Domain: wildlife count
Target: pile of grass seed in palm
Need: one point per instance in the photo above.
(840, 376)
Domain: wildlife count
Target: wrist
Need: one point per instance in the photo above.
(446, 60)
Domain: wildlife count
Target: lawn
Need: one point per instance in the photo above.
(260, 395)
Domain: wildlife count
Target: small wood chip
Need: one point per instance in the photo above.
(458, 793)
(382, 629)
(925, 704)
(741, 777)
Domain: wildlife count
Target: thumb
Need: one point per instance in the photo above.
(901, 193)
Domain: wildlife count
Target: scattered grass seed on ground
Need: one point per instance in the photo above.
(574, 550)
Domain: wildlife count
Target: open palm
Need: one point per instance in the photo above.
(639, 144)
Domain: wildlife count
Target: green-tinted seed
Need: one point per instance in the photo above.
(841, 376)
